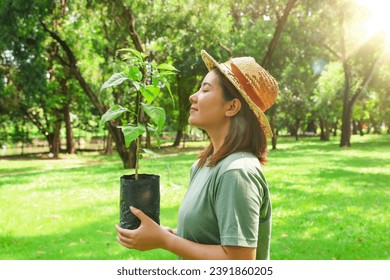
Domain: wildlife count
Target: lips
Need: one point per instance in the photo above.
(193, 109)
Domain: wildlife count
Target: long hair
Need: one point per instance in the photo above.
(245, 133)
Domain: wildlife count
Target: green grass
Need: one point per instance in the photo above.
(328, 202)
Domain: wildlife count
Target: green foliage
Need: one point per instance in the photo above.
(327, 94)
(148, 78)
(131, 133)
(34, 72)
(112, 113)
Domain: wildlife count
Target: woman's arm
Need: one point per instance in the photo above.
(152, 236)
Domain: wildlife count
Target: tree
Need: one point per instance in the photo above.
(29, 76)
(69, 60)
(271, 18)
(327, 98)
(359, 55)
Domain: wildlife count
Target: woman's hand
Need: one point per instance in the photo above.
(148, 236)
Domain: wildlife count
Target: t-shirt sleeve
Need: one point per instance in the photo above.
(237, 207)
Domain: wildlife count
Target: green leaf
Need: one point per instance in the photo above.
(115, 80)
(131, 133)
(137, 85)
(156, 114)
(168, 85)
(135, 74)
(150, 153)
(155, 81)
(160, 78)
(150, 92)
(155, 133)
(112, 113)
(165, 66)
(133, 52)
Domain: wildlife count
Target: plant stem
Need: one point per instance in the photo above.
(137, 157)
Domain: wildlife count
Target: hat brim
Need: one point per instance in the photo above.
(226, 71)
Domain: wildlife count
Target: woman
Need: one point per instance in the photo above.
(226, 212)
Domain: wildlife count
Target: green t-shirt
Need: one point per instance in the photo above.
(228, 204)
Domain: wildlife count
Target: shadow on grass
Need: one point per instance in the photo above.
(331, 214)
(93, 241)
(42, 175)
(329, 235)
(359, 179)
(368, 143)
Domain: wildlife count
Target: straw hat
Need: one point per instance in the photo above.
(256, 85)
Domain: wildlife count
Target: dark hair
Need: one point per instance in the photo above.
(245, 133)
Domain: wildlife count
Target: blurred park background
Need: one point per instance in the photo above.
(329, 160)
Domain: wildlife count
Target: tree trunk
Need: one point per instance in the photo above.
(325, 129)
(375, 125)
(183, 104)
(360, 128)
(296, 128)
(54, 140)
(108, 145)
(348, 100)
(324, 135)
(368, 129)
(70, 146)
(179, 136)
(346, 126)
(335, 127)
(345, 140)
(311, 126)
(355, 126)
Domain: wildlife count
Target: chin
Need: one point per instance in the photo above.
(192, 122)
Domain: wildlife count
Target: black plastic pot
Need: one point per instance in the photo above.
(143, 194)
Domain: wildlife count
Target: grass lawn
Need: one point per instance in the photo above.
(328, 202)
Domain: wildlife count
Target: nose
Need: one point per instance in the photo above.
(193, 97)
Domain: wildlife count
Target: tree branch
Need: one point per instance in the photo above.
(35, 121)
(367, 78)
(72, 65)
(61, 60)
(278, 31)
(229, 51)
(128, 15)
(331, 51)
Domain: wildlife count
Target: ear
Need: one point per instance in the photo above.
(234, 106)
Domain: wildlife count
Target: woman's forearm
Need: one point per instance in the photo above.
(150, 236)
(190, 250)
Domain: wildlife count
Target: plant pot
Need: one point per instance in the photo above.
(143, 194)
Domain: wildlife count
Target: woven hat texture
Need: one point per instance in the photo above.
(256, 85)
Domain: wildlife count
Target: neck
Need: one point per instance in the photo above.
(218, 136)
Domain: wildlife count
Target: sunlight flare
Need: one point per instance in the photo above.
(379, 21)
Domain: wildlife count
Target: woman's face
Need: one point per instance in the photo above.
(208, 109)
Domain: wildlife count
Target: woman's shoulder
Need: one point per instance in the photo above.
(239, 166)
(240, 160)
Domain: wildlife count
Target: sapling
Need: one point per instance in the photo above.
(148, 79)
